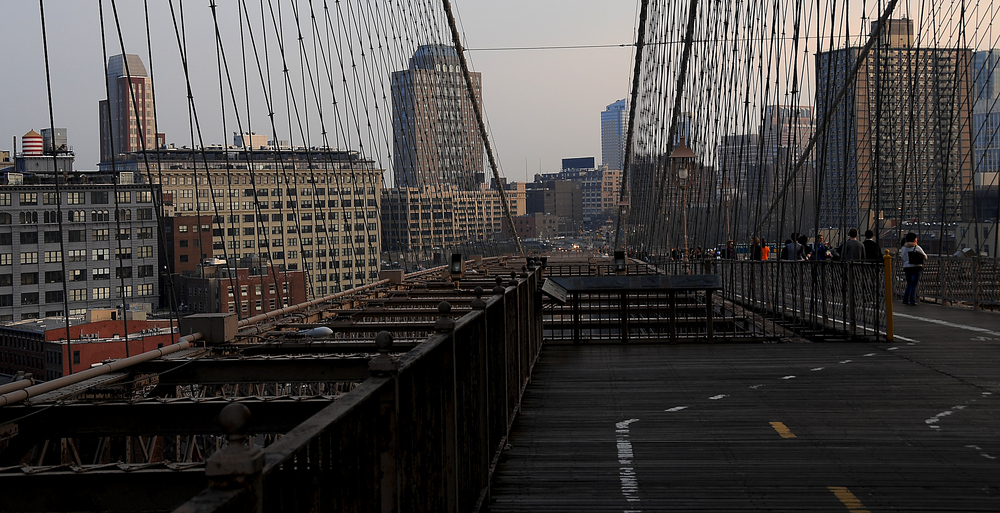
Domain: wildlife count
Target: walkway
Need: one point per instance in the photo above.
(909, 426)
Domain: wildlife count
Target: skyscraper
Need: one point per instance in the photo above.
(127, 120)
(435, 135)
(614, 126)
(899, 146)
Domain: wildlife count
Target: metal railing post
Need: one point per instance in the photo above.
(887, 269)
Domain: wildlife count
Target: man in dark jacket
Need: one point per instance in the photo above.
(872, 251)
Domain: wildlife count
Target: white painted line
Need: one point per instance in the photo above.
(846, 361)
(817, 369)
(869, 354)
(788, 377)
(717, 397)
(891, 348)
(677, 408)
(755, 387)
(949, 324)
(630, 484)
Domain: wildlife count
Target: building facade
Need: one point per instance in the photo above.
(315, 210)
(108, 246)
(614, 131)
(435, 134)
(128, 121)
(899, 147)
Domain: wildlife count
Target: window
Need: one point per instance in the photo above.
(78, 216)
(99, 197)
(53, 276)
(5, 199)
(77, 235)
(29, 298)
(144, 233)
(145, 271)
(29, 278)
(145, 289)
(124, 196)
(50, 198)
(5, 239)
(27, 217)
(53, 236)
(28, 198)
(144, 214)
(100, 254)
(6, 280)
(123, 272)
(74, 198)
(54, 296)
(29, 237)
(78, 295)
(100, 234)
(144, 197)
(52, 257)
(29, 258)
(100, 293)
(183, 243)
(145, 251)
(124, 234)
(77, 275)
(123, 254)
(126, 292)
(6, 259)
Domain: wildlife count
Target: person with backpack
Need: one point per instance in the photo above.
(913, 264)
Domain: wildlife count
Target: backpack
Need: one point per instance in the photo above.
(915, 257)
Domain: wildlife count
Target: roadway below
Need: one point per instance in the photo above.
(911, 426)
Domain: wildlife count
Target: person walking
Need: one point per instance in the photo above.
(872, 250)
(755, 251)
(853, 249)
(765, 250)
(913, 264)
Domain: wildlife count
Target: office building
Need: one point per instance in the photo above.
(315, 210)
(436, 137)
(614, 131)
(127, 117)
(899, 147)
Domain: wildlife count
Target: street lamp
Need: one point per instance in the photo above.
(682, 162)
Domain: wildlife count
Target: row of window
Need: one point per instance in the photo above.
(75, 198)
(77, 255)
(142, 271)
(76, 216)
(56, 296)
(97, 235)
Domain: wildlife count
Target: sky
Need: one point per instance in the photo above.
(541, 105)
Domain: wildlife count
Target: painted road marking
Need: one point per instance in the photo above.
(949, 324)
(717, 397)
(788, 377)
(853, 504)
(817, 369)
(677, 408)
(782, 430)
(630, 485)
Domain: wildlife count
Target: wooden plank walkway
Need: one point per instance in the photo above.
(911, 426)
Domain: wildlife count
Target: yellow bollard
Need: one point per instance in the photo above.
(887, 262)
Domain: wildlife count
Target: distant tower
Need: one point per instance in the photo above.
(127, 122)
(614, 124)
(435, 135)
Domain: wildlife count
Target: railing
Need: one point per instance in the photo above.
(758, 301)
(422, 435)
(972, 281)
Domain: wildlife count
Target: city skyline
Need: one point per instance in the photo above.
(535, 107)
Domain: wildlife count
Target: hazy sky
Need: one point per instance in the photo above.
(542, 105)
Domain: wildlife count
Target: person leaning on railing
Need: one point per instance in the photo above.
(913, 257)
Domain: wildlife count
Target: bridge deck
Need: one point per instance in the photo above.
(908, 426)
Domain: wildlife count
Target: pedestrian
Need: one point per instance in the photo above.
(765, 250)
(730, 253)
(756, 253)
(821, 251)
(872, 250)
(804, 250)
(791, 251)
(853, 249)
(913, 264)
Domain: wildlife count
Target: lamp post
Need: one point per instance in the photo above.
(682, 162)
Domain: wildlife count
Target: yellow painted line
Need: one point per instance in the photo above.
(782, 430)
(848, 498)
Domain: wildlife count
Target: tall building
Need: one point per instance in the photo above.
(986, 110)
(614, 131)
(127, 119)
(435, 134)
(899, 146)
